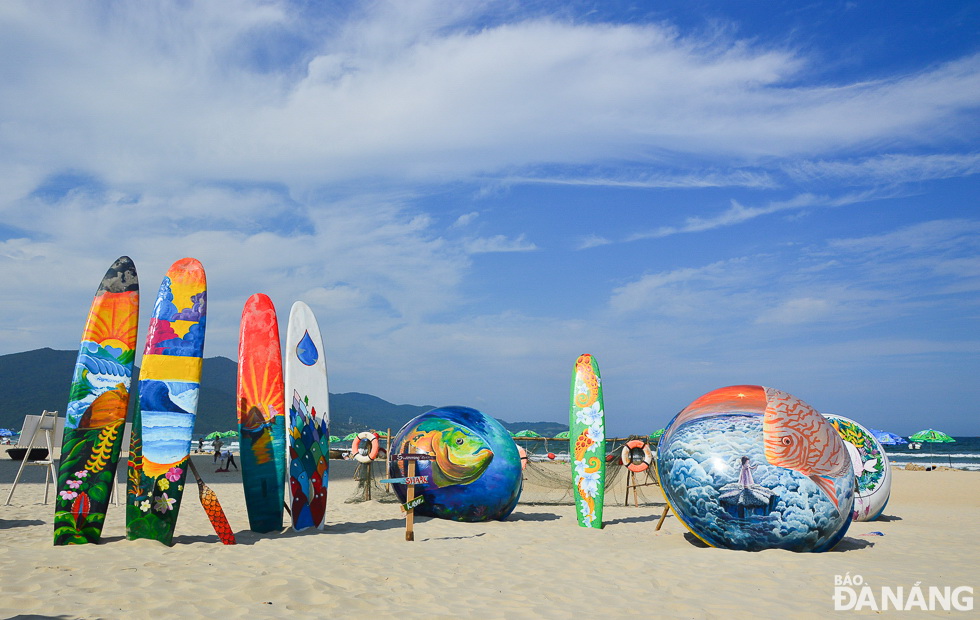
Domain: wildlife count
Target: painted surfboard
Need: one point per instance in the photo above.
(587, 441)
(97, 405)
(169, 384)
(308, 421)
(261, 414)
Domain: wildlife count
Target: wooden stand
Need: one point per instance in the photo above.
(409, 496)
(631, 483)
(46, 424)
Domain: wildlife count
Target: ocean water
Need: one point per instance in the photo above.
(964, 454)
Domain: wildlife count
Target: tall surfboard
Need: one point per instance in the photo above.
(587, 439)
(261, 414)
(97, 404)
(308, 421)
(168, 390)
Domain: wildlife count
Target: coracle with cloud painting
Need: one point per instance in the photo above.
(752, 468)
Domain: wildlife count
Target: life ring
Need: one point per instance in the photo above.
(523, 453)
(367, 452)
(636, 455)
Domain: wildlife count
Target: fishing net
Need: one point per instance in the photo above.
(549, 482)
(368, 488)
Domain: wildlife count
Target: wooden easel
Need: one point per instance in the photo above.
(631, 483)
(45, 424)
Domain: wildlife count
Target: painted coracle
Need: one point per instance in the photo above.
(475, 474)
(751, 468)
(872, 472)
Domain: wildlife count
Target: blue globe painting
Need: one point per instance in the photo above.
(751, 468)
(475, 471)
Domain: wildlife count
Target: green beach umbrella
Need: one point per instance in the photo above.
(931, 436)
(382, 433)
(350, 437)
(334, 439)
(212, 435)
(657, 433)
(562, 435)
(526, 433)
(228, 434)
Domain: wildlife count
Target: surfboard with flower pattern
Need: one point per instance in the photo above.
(307, 425)
(168, 391)
(587, 439)
(96, 413)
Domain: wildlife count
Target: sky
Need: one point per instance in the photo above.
(470, 194)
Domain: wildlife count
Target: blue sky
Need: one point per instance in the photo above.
(470, 194)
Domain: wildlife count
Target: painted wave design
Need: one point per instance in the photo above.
(166, 435)
(100, 371)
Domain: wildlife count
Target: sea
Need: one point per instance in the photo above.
(964, 454)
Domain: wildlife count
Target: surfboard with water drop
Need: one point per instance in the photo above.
(307, 421)
(96, 413)
(587, 441)
(169, 385)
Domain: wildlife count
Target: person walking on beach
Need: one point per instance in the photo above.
(216, 444)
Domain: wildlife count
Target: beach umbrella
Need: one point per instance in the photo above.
(334, 439)
(885, 438)
(931, 436)
(657, 433)
(382, 433)
(227, 434)
(526, 433)
(6, 432)
(562, 435)
(212, 435)
(350, 437)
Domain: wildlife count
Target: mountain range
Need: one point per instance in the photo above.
(33, 381)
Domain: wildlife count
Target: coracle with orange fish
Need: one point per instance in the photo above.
(750, 467)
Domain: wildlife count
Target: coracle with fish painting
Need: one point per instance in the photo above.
(475, 472)
(872, 472)
(749, 467)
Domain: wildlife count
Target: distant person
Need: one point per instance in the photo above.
(216, 444)
(227, 460)
(200, 445)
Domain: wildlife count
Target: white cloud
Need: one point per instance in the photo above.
(465, 220)
(889, 169)
(499, 243)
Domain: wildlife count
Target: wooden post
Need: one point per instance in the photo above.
(409, 496)
(662, 517)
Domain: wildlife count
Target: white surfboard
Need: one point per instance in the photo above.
(307, 420)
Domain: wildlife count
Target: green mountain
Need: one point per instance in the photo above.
(36, 380)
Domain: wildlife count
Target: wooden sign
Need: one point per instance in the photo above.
(413, 457)
(410, 505)
(412, 480)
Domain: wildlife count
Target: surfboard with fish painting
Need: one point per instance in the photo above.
(96, 413)
(261, 414)
(169, 385)
(308, 419)
(587, 441)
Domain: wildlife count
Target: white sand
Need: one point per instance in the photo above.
(537, 564)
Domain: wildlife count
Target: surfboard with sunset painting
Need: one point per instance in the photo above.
(587, 439)
(307, 433)
(97, 404)
(168, 390)
(261, 421)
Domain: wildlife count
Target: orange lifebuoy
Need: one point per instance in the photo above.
(636, 455)
(523, 454)
(367, 452)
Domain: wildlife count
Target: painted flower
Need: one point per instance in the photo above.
(173, 474)
(589, 483)
(163, 483)
(145, 505)
(68, 495)
(81, 474)
(597, 434)
(163, 503)
(591, 415)
(588, 512)
(74, 483)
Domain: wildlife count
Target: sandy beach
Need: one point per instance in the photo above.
(538, 563)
